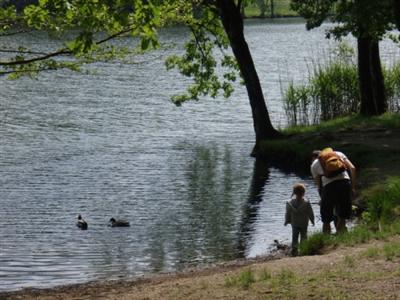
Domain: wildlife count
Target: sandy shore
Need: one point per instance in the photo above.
(345, 273)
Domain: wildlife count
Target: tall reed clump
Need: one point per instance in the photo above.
(392, 84)
(383, 204)
(333, 90)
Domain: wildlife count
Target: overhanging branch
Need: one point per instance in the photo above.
(64, 51)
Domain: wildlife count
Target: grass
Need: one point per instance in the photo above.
(317, 242)
(389, 251)
(371, 253)
(328, 282)
(349, 261)
(294, 150)
(244, 280)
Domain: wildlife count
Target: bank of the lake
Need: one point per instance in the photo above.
(372, 144)
(368, 270)
(365, 271)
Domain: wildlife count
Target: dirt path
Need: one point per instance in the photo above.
(367, 271)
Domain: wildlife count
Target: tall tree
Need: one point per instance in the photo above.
(212, 23)
(205, 24)
(396, 12)
(367, 21)
(233, 25)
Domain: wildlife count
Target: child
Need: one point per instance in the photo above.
(298, 213)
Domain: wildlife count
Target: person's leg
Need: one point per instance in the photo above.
(343, 207)
(295, 240)
(341, 225)
(326, 228)
(326, 208)
(303, 234)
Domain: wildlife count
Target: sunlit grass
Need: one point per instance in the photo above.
(265, 275)
(349, 261)
(244, 280)
(391, 250)
(372, 252)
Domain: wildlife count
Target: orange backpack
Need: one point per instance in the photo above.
(331, 163)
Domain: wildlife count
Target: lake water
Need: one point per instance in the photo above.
(111, 144)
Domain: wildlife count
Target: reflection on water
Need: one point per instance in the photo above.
(112, 144)
(251, 206)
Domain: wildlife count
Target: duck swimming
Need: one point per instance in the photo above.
(81, 223)
(119, 223)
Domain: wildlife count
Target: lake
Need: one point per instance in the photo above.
(111, 144)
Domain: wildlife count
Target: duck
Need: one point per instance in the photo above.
(280, 246)
(119, 223)
(81, 223)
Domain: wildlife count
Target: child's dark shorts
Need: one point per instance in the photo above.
(336, 200)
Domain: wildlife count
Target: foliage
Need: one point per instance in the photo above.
(368, 21)
(262, 8)
(85, 25)
(383, 203)
(213, 24)
(200, 61)
(355, 17)
(333, 90)
(89, 25)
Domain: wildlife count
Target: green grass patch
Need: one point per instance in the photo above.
(349, 261)
(383, 201)
(265, 275)
(314, 244)
(391, 250)
(295, 148)
(372, 252)
(359, 234)
(244, 280)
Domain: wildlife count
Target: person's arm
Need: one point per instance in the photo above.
(315, 172)
(287, 214)
(311, 214)
(352, 172)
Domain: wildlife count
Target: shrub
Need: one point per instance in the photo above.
(383, 203)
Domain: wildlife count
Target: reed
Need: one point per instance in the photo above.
(332, 90)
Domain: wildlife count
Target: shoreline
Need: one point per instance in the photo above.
(151, 278)
(343, 272)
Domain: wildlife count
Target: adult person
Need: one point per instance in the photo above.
(336, 189)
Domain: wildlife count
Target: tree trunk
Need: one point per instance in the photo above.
(233, 25)
(396, 12)
(272, 9)
(372, 86)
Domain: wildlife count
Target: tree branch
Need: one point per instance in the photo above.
(20, 51)
(64, 51)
